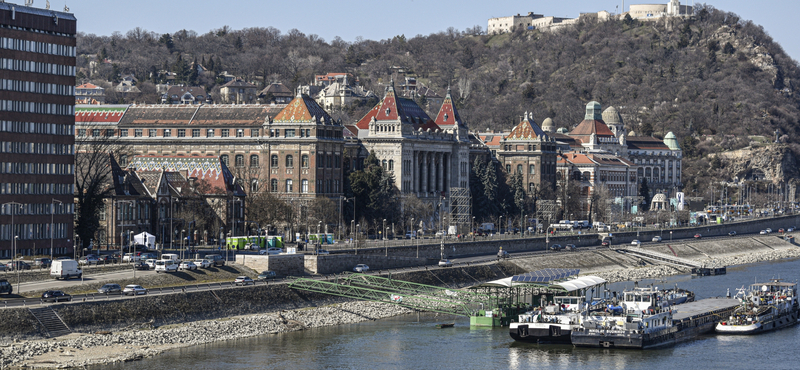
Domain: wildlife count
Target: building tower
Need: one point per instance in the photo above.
(37, 122)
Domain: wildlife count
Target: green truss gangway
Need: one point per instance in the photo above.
(398, 292)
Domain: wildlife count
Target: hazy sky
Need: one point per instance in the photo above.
(375, 20)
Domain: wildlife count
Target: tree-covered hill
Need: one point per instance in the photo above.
(713, 79)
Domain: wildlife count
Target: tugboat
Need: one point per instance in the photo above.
(764, 307)
(554, 322)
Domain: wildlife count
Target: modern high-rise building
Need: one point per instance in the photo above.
(37, 142)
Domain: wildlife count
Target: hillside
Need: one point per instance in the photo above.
(712, 80)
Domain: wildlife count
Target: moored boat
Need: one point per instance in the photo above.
(764, 307)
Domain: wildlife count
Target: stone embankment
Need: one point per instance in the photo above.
(79, 350)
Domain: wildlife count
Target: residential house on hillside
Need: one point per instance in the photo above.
(89, 94)
(276, 93)
(185, 95)
(238, 92)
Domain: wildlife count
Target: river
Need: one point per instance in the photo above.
(412, 342)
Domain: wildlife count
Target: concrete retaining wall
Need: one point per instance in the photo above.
(282, 264)
(335, 263)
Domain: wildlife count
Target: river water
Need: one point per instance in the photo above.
(412, 342)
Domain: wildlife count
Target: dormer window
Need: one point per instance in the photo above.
(388, 111)
(445, 117)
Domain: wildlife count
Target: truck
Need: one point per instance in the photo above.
(561, 226)
(65, 269)
(486, 227)
(582, 224)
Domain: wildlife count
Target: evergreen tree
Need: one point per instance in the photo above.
(193, 74)
(476, 188)
(375, 192)
(644, 192)
(490, 189)
(181, 69)
(518, 189)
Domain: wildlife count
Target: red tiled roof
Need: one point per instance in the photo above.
(588, 127)
(302, 109)
(98, 116)
(87, 86)
(525, 130)
(448, 115)
(394, 108)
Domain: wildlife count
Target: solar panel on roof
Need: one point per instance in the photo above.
(545, 275)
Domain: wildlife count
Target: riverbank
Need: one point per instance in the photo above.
(145, 339)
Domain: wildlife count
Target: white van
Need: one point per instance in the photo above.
(171, 256)
(166, 266)
(65, 269)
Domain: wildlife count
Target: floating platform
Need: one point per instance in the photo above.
(707, 271)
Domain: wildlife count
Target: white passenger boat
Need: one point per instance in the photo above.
(764, 307)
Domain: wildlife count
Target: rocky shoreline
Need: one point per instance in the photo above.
(134, 343)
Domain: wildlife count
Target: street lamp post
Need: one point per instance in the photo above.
(182, 243)
(500, 225)
(473, 228)
(384, 237)
(53, 224)
(358, 227)
(14, 239)
(16, 264)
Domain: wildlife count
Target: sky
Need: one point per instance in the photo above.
(376, 20)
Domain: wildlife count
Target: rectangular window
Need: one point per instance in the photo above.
(289, 132)
(137, 132)
(195, 132)
(181, 132)
(151, 132)
(239, 132)
(224, 132)
(253, 132)
(109, 132)
(123, 133)
(81, 132)
(210, 132)
(532, 170)
(167, 133)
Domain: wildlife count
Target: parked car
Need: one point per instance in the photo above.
(555, 247)
(21, 265)
(55, 296)
(570, 247)
(635, 242)
(134, 290)
(790, 229)
(166, 266)
(606, 242)
(130, 257)
(110, 289)
(698, 236)
(5, 287)
(42, 262)
(271, 250)
(243, 280)
(502, 254)
(361, 268)
(202, 263)
(65, 269)
(107, 259)
(763, 232)
(3, 267)
(732, 233)
(657, 239)
(781, 230)
(141, 265)
(151, 263)
(445, 263)
(187, 265)
(322, 252)
(266, 275)
(215, 259)
(88, 260)
(768, 230)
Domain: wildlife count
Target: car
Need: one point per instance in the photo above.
(445, 263)
(698, 236)
(130, 257)
(271, 250)
(141, 265)
(657, 239)
(55, 296)
(763, 232)
(502, 254)
(134, 290)
(5, 287)
(606, 242)
(635, 242)
(768, 230)
(42, 262)
(62, 258)
(732, 233)
(187, 265)
(555, 247)
(3, 267)
(202, 263)
(110, 289)
(323, 252)
(781, 230)
(215, 259)
(107, 259)
(243, 280)
(440, 234)
(166, 266)
(790, 229)
(266, 275)
(361, 268)
(89, 260)
(409, 235)
(149, 255)
(570, 247)
(151, 263)
(18, 265)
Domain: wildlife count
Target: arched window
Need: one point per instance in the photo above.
(239, 160)
(532, 170)
(383, 163)
(123, 160)
(304, 186)
(254, 185)
(304, 161)
(254, 160)
(519, 168)
(273, 161)
(531, 188)
(289, 161)
(656, 174)
(289, 186)
(508, 168)
(224, 159)
(586, 176)
(391, 165)
(273, 185)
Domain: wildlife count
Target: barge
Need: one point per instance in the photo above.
(764, 307)
(656, 327)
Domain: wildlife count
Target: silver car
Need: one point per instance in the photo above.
(134, 290)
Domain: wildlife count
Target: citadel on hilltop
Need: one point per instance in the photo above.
(533, 21)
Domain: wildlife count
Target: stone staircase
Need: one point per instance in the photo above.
(50, 321)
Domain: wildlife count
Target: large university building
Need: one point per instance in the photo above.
(37, 99)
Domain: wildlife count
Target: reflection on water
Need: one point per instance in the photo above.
(405, 343)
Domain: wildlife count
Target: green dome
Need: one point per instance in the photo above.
(671, 141)
(593, 111)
